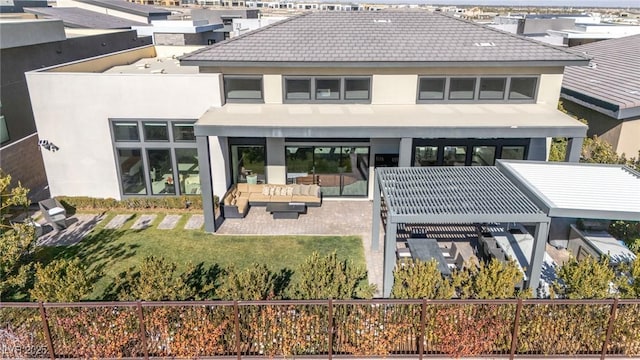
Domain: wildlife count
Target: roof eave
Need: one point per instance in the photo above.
(387, 64)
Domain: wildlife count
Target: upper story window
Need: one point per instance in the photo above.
(305, 89)
(240, 88)
(477, 89)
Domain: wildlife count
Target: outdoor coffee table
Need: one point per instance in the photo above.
(286, 210)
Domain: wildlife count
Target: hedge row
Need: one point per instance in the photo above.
(138, 203)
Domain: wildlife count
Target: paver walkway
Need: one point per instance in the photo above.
(118, 221)
(169, 222)
(143, 222)
(78, 226)
(195, 222)
(334, 217)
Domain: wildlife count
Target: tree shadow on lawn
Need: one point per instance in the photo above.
(97, 251)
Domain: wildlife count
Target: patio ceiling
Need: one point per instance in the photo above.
(454, 195)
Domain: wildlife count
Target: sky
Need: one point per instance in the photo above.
(550, 3)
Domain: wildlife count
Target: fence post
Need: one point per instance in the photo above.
(330, 328)
(236, 320)
(47, 333)
(423, 327)
(612, 319)
(143, 331)
(516, 326)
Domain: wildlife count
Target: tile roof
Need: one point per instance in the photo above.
(382, 37)
(614, 74)
(128, 7)
(81, 18)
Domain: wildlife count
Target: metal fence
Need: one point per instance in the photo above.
(323, 328)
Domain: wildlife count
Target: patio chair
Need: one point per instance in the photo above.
(54, 213)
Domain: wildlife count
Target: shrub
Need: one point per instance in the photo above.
(628, 281)
(256, 282)
(493, 280)
(62, 281)
(155, 279)
(72, 203)
(324, 277)
(585, 279)
(420, 280)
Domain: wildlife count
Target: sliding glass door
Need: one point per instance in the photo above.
(339, 170)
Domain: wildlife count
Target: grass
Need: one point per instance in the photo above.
(110, 252)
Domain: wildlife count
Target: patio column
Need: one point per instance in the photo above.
(375, 222)
(537, 255)
(574, 150)
(389, 258)
(405, 152)
(204, 164)
(275, 166)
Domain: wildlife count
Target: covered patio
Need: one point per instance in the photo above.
(452, 195)
(525, 192)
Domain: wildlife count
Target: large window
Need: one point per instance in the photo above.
(305, 89)
(243, 88)
(467, 152)
(477, 89)
(4, 132)
(248, 163)
(161, 162)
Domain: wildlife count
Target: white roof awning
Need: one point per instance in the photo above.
(387, 121)
(590, 191)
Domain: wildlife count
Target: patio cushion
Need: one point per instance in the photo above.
(255, 188)
(314, 190)
(280, 198)
(242, 187)
(289, 190)
(56, 211)
(296, 190)
(305, 199)
(258, 197)
(243, 205)
(304, 190)
(227, 200)
(265, 191)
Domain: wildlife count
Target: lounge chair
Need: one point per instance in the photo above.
(54, 213)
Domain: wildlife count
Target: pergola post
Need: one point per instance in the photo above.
(537, 255)
(389, 257)
(375, 226)
(206, 188)
(574, 149)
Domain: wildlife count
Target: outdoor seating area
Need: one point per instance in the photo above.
(240, 197)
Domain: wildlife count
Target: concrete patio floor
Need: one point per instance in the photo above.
(334, 217)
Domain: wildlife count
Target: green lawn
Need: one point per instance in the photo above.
(114, 251)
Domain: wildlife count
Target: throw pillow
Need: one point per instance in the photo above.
(314, 190)
(304, 190)
(289, 190)
(296, 190)
(265, 190)
(272, 190)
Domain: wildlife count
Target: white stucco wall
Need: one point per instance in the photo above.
(72, 110)
(103, 10)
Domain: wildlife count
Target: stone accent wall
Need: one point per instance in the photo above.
(23, 161)
(169, 39)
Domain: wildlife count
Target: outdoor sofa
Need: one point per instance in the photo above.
(240, 197)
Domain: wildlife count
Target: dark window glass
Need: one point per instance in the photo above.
(461, 88)
(492, 88)
(356, 89)
(431, 89)
(125, 131)
(298, 89)
(243, 88)
(161, 172)
(131, 171)
(454, 156)
(426, 156)
(522, 88)
(327, 89)
(513, 152)
(183, 132)
(483, 156)
(188, 171)
(156, 131)
(4, 132)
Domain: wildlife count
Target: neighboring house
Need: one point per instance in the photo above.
(81, 18)
(607, 93)
(182, 32)
(120, 8)
(224, 17)
(323, 97)
(32, 44)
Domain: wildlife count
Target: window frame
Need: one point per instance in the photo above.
(144, 145)
(313, 88)
(476, 95)
(243, 100)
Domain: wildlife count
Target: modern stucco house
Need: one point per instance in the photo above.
(325, 97)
